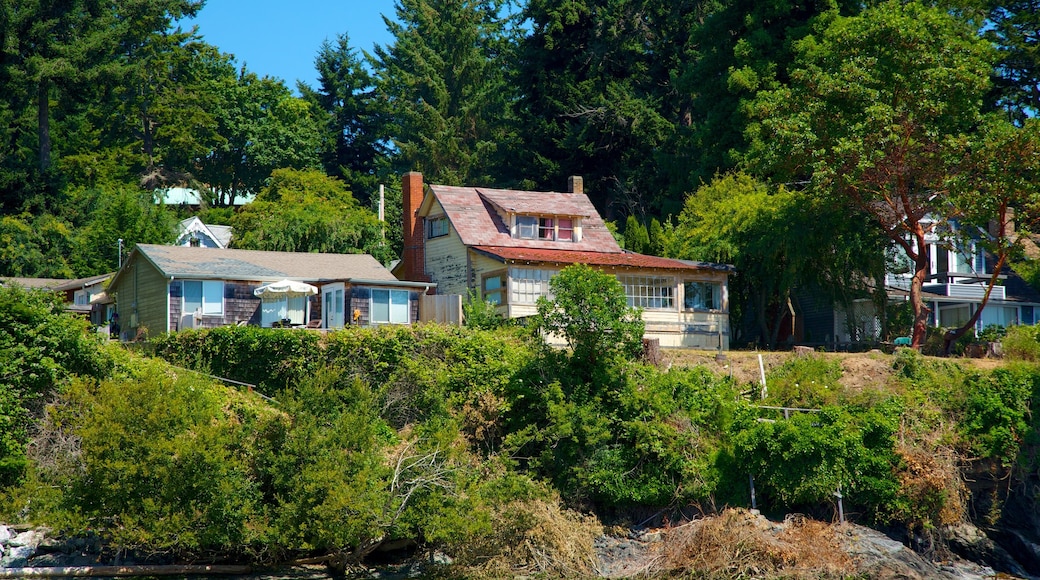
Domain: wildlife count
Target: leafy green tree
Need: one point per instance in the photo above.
(177, 97)
(999, 175)
(307, 211)
(778, 240)
(874, 103)
(443, 86)
(118, 212)
(36, 247)
(263, 128)
(728, 51)
(345, 97)
(589, 309)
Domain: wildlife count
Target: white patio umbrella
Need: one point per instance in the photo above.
(277, 300)
(286, 288)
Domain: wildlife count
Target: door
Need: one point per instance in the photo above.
(332, 305)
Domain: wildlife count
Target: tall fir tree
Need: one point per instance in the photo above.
(441, 84)
(345, 99)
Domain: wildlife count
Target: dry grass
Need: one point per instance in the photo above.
(740, 544)
(535, 537)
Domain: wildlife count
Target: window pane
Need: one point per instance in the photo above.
(212, 297)
(339, 302)
(702, 296)
(546, 229)
(528, 284)
(399, 306)
(380, 306)
(649, 292)
(527, 226)
(192, 296)
(438, 227)
(566, 231)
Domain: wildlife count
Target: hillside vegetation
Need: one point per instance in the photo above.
(484, 445)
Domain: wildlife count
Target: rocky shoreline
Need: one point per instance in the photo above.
(793, 547)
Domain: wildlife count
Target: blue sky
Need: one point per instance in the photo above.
(280, 38)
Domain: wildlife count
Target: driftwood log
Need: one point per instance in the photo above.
(109, 571)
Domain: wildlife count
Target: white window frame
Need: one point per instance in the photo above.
(209, 291)
(527, 227)
(527, 285)
(649, 292)
(398, 306)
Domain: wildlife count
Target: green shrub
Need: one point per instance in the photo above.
(270, 358)
(996, 411)
(589, 309)
(1022, 343)
(804, 460)
(41, 348)
(804, 381)
(164, 462)
(479, 313)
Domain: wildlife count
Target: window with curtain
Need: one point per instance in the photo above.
(703, 296)
(277, 308)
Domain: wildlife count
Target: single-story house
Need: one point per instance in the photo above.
(504, 245)
(169, 288)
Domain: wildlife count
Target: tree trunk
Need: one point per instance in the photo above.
(43, 117)
(921, 266)
(1002, 256)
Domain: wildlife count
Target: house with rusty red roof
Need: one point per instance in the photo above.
(504, 246)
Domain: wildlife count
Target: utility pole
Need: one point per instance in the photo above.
(119, 249)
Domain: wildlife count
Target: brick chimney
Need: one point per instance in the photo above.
(414, 256)
(575, 184)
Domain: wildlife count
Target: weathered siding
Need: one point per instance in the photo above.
(141, 301)
(446, 259)
(240, 305)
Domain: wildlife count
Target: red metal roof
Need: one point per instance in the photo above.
(617, 259)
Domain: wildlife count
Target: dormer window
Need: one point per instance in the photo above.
(531, 227)
(527, 226)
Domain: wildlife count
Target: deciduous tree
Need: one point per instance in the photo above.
(307, 211)
(589, 309)
(874, 106)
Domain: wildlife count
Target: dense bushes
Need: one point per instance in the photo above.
(41, 348)
(460, 438)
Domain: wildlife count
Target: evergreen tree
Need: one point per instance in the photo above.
(443, 88)
(593, 83)
(1013, 27)
(63, 53)
(345, 97)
